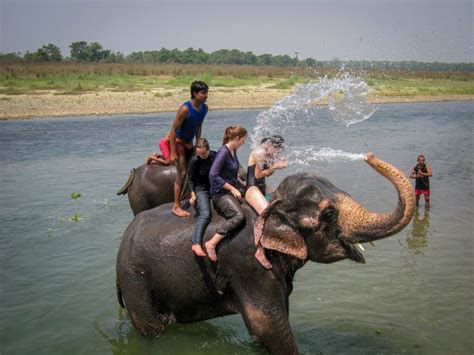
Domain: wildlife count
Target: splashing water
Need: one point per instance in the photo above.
(308, 155)
(347, 102)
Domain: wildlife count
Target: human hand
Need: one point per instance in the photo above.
(192, 200)
(151, 158)
(281, 164)
(173, 158)
(236, 193)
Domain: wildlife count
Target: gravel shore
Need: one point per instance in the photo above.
(56, 104)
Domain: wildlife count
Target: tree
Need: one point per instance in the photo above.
(47, 53)
(53, 53)
(79, 51)
(264, 59)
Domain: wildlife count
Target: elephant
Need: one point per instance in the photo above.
(151, 185)
(160, 281)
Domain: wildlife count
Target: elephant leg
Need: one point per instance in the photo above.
(143, 310)
(267, 322)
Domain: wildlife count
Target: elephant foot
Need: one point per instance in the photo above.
(178, 211)
(262, 259)
(197, 249)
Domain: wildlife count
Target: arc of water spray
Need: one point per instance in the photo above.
(347, 103)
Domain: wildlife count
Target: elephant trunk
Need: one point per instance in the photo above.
(359, 225)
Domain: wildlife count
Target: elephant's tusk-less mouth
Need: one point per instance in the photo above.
(354, 251)
(359, 247)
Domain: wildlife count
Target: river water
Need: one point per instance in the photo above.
(414, 295)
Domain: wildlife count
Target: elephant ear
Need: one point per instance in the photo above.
(273, 233)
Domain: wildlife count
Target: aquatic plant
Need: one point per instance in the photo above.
(75, 218)
(75, 195)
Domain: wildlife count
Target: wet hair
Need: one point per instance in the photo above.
(420, 156)
(202, 143)
(232, 132)
(197, 86)
(276, 141)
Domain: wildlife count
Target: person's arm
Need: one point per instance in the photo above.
(181, 115)
(413, 174)
(198, 132)
(261, 173)
(428, 171)
(214, 173)
(191, 168)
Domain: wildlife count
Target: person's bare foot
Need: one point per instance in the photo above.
(211, 251)
(197, 249)
(262, 259)
(178, 211)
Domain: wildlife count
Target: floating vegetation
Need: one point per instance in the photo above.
(75, 195)
(75, 218)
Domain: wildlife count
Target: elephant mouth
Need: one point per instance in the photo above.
(352, 250)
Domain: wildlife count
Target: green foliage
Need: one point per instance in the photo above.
(75, 218)
(75, 195)
(82, 51)
(47, 53)
(290, 82)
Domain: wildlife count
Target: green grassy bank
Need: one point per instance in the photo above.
(79, 78)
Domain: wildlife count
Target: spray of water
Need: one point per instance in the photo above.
(347, 102)
(306, 156)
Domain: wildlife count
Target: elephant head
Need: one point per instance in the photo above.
(309, 218)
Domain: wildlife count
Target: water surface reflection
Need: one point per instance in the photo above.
(417, 239)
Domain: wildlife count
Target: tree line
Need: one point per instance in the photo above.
(83, 51)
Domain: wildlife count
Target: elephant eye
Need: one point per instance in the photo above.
(329, 216)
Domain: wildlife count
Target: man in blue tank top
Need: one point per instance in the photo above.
(187, 125)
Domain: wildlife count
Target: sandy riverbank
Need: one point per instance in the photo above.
(55, 104)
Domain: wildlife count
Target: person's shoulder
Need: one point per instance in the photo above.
(212, 153)
(193, 160)
(222, 150)
(184, 107)
(252, 159)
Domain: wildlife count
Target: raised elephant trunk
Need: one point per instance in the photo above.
(360, 225)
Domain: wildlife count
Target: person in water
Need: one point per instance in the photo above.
(263, 162)
(421, 173)
(198, 180)
(187, 125)
(164, 157)
(225, 191)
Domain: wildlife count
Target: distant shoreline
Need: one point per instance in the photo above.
(104, 103)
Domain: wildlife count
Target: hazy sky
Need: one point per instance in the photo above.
(422, 30)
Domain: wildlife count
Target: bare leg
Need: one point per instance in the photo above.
(255, 199)
(197, 249)
(258, 202)
(211, 246)
(427, 201)
(178, 187)
(417, 198)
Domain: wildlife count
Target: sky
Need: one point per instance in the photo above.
(421, 30)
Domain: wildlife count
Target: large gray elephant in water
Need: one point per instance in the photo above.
(160, 280)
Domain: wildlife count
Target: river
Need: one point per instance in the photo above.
(415, 294)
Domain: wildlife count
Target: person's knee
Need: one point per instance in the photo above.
(205, 216)
(239, 218)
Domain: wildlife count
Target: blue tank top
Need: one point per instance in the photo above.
(188, 128)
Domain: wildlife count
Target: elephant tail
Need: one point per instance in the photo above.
(119, 292)
(124, 189)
